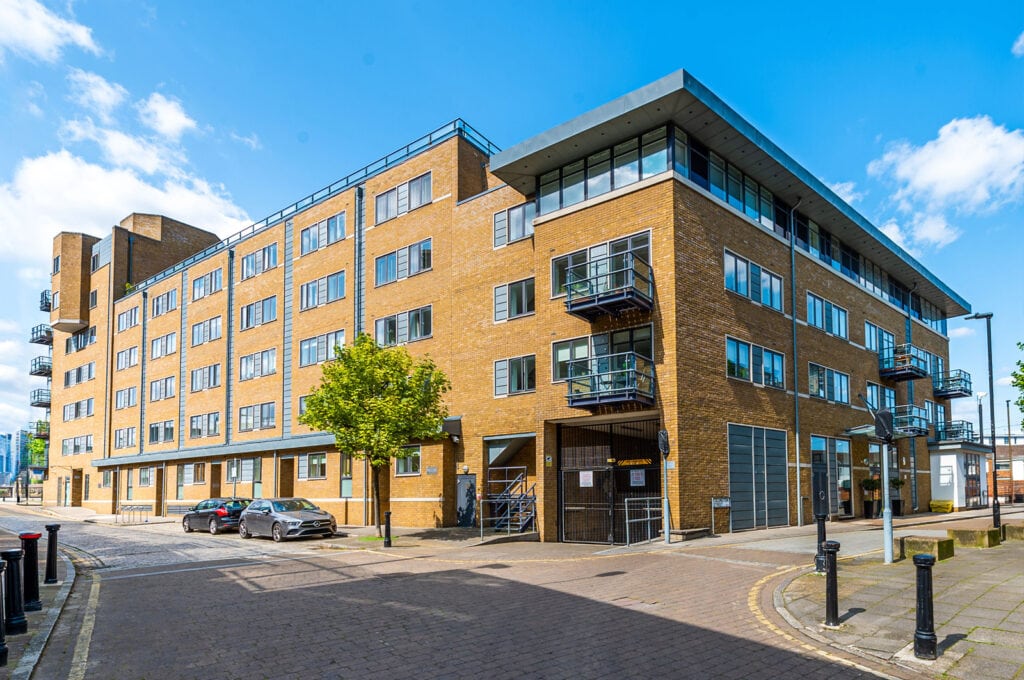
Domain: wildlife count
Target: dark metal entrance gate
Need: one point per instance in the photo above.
(601, 466)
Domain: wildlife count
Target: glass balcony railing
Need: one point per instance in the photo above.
(39, 398)
(42, 334)
(44, 301)
(609, 285)
(954, 431)
(902, 362)
(41, 366)
(953, 384)
(910, 420)
(612, 379)
(41, 429)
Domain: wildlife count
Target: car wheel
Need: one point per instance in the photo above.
(243, 530)
(185, 525)
(213, 527)
(276, 532)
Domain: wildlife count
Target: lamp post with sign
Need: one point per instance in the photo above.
(664, 449)
(884, 430)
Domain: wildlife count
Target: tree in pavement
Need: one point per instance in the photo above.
(375, 401)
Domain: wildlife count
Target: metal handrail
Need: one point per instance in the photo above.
(609, 274)
(957, 379)
(909, 416)
(45, 301)
(954, 430)
(610, 374)
(902, 355)
(652, 509)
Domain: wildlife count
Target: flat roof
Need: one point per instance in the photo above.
(681, 99)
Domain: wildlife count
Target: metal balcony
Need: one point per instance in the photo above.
(902, 362)
(612, 379)
(39, 398)
(609, 285)
(42, 334)
(910, 420)
(954, 431)
(44, 301)
(41, 429)
(951, 385)
(41, 366)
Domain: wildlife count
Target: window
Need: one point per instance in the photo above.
(244, 470)
(516, 223)
(127, 358)
(737, 359)
(128, 319)
(259, 261)
(595, 260)
(513, 300)
(259, 313)
(145, 476)
(257, 417)
(78, 409)
(824, 315)
(877, 339)
(165, 302)
(206, 378)
(565, 353)
(205, 425)
(206, 331)
(312, 466)
(320, 348)
(302, 404)
(322, 234)
(514, 376)
(403, 198)
(161, 432)
(55, 300)
(56, 265)
(322, 291)
(755, 363)
(105, 478)
(124, 437)
(164, 345)
(92, 299)
(206, 284)
(161, 389)
(736, 274)
(825, 383)
(403, 263)
(403, 327)
(199, 473)
(80, 374)
(75, 445)
(125, 398)
(408, 464)
(80, 340)
(257, 364)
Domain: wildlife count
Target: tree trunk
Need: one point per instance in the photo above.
(376, 497)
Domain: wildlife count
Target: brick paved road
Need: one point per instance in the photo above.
(252, 609)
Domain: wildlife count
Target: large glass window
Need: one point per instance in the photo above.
(514, 376)
(513, 300)
(737, 359)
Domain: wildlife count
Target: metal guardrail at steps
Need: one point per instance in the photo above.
(132, 514)
(643, 514)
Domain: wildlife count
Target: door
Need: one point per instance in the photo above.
(214, 480)
(465, 500)
(158, 506)
(758, 485)
(588, 506)
(286, 478)
(115, 491)
(67, 492)
(76, 488)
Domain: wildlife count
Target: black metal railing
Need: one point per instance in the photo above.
(44, 301)
(609, 285)
(955, 383)
(902, 362)
(41, 366)
(42, 334)
(613, 378)
(954, 431)
(910, 420)
(39, 397)
(41, 429)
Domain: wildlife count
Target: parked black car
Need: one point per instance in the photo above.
(216, 514)
(282, 518)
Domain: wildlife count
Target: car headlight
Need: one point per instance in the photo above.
(294, 522)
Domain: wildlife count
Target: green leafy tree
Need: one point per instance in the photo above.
(37, 451)
(375, 400)
(1017, 380)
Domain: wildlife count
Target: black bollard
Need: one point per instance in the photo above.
(30, 544)
(387, 528)
(14, 608)
(925, 643)
(3, 636)
(51, 553)
(819, 557)
(831, 584)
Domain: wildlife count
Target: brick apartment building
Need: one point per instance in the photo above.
(654, 264)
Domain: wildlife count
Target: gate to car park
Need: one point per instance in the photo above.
(601, 466)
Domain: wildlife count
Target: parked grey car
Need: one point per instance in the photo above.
(282, 518)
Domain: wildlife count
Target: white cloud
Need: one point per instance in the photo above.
(34, 276)
(252, 141)
(899, 236)
(1005, 381)
(35, 91)
(30, 30)
(961, 332)
(8, 327)
(973, 165)
(95, 94)
(165, 116)
(93, 197)
(126, 151)
(932, 230)
(1018, 46)
(847, 191)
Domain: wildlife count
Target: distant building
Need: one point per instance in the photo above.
(6, 468)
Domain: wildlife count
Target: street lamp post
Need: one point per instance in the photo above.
(987, 316)
(1009, 447)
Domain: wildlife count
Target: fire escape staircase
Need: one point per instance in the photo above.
(511, 499)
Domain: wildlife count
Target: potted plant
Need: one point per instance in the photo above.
(897, 501)
(869, 485)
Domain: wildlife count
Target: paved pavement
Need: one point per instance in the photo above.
(153, 602)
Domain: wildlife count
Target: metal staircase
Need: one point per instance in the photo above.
(511, 501)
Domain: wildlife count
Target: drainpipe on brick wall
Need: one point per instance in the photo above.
(796, 367)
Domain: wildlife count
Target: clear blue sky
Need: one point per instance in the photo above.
(219, 113)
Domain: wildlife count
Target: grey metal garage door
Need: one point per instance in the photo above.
(758, 482)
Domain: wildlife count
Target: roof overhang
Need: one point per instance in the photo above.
(959, 447)
(225, 451)
(869, 432)
(681, 99)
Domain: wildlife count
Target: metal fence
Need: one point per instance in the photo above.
(643, 519)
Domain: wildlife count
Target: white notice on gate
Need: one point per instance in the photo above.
(638, 477)
(586, 478)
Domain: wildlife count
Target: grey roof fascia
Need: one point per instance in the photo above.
(228, 450)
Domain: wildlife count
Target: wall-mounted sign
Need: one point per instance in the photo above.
(586, 478)
(721, 502)
(431, 469)
(638, 477)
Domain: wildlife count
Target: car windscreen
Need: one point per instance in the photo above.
(293, 505)
(236, 505)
